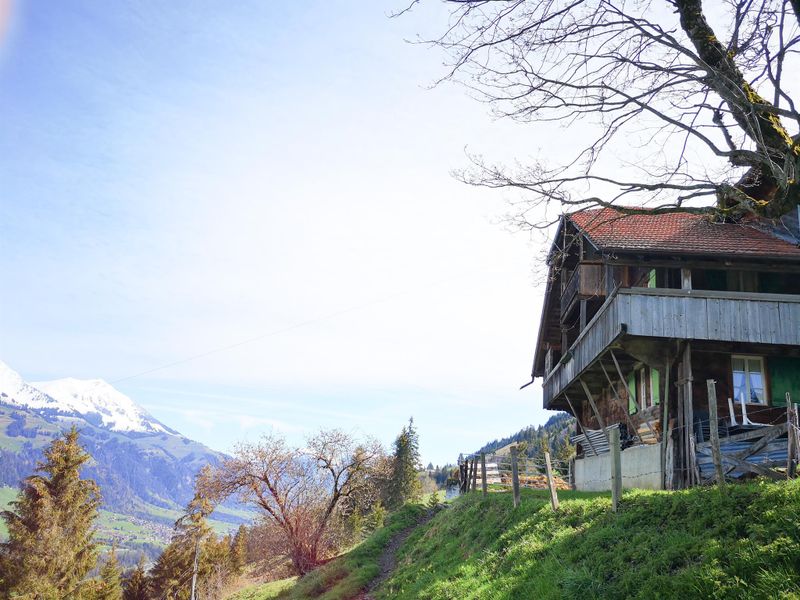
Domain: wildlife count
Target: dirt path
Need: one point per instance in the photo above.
(388, 559)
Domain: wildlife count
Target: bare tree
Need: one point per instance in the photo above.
(300, 491)
(701, 95)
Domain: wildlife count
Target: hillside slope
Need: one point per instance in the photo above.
(699, 543)
(555, 433)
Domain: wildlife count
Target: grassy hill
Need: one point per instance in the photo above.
(699, 543)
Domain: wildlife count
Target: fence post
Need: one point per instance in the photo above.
(796, 418)
(484, 484)
(474, 473)
(713, 425)
(616, 468)
(791, 469)
(550, 483)
(515, 475)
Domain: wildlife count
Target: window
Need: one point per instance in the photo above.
(748, 379)
(643, 388)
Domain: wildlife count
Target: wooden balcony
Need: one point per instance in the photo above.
(677, 314)
(586, 281)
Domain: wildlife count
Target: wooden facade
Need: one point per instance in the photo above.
(631, 339)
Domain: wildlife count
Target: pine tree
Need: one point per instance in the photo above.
(404, 484)
(136, 585)
(171, 575)
(110, 587)
(50, 547)
(239, 550)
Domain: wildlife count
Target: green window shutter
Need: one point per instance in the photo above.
(632, 392)
(655, 381)
(651, 278)
(784, 376)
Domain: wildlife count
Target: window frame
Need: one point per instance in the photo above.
(763, 365)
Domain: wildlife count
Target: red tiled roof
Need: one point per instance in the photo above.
(679, 233)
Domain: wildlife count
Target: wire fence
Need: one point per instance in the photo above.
(744, 451)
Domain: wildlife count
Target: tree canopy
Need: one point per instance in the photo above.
(671, 100)
(51, 549)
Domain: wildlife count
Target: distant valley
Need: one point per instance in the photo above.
(144, 468)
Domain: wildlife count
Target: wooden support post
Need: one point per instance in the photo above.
(713, 425)
(796, 417)
(594, 407)
(515, 475)
(571, 473)
(484, 484)
(665, 423)
(474, 473)
(616, 468)
(578, 420)
(693, 468)
(550, 483)
(791, 436)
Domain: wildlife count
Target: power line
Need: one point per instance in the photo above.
(305, 323)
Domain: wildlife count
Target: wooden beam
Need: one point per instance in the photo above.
(550, 483)
(618, 400)
(753, 468)
(713, 425)
(622, 378)
(665, 420)
(594, 409)
(616, 469)
(578, 420)
(747, 435)
(484, 485)
(515, 476)
(775, 432)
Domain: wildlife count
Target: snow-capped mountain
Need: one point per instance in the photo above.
(14, 391)
(88, 397)
(135, 458)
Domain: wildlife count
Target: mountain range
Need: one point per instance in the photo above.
(144, 468)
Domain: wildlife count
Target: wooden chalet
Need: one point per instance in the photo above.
(640, 311)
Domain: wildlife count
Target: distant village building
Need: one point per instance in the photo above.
(640, 311)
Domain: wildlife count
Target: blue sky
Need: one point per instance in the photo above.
(186, 176)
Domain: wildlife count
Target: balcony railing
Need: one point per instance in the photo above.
(678, 314)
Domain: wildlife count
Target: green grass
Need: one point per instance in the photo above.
(345, 576)
(697, 543)
(440, 497)
(7, 494)
(264, 591)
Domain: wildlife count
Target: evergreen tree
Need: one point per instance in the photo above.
(404, 484)
(136, 585)
(239, 550)
(50, 546)
(171, 575)
(110, 584)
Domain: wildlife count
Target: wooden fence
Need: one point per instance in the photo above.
(501, 472)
